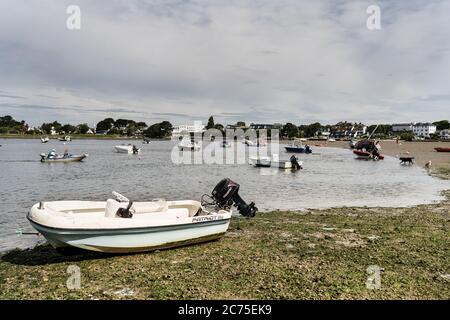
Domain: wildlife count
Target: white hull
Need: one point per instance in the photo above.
(268, 162)
(88, 225)
(125, 149)
(188, 147)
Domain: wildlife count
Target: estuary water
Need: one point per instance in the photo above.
(331, 178)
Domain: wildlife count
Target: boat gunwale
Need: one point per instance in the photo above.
(129, 229)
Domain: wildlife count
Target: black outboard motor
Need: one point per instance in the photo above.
(225, 194)
(294, 162)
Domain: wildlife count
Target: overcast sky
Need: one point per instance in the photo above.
(257, 61)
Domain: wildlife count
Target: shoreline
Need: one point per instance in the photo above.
(310, 254)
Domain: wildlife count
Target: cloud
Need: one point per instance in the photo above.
(264, 61)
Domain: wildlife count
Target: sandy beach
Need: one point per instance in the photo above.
(421, 150)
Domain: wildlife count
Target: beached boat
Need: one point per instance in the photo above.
(45, 139)
(62, 158)
(442, 149)
(366, 155)
(130, 149)
(66, 138)
(297, 147)
(122, 226)
(187, 145)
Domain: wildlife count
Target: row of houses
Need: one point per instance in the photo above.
(340, 130)
(420, 129)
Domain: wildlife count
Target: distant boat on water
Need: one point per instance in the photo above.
(45, 139)
(65, 138)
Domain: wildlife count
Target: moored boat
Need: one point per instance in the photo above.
(65, 138)
(274, 161)
(66, 157)
(297, 147)
(442, 149)
(123, 226)
(45, 139)
(187, 145)
(130, 149)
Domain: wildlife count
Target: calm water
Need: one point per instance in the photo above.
(331, 177)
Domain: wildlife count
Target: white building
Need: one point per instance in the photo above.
(400, 127)
(423, 130)
(445, 134)
(179, 130)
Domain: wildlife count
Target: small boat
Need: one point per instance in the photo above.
(352, 144)
(331, 140)
(45, 139)
(442, 149)
(275, 162)
(258, 143)
(122, 226)
(297, 147)
(187, 145)
(366, 155)
(146, 141)
(226, 144)
(130, 149)
(62, 158)
(66, 138)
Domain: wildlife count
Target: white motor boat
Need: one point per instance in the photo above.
(187, 145)
(120, 225)
(65, 138)
(45, 139)
(130, 149)
(274, 161)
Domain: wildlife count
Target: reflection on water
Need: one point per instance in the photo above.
(331, 177)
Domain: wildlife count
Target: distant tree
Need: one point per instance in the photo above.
(113, 131)
(166, 128)
(83, 128)
(210, 123)
(68, 128)
(289, 130)
(407, 136)
(240, 124)
(141, 125)
(121, 123)
(105, 124)
(9, 122)
(159, 130)
(47, 127)
(442, 125)
(312, 129)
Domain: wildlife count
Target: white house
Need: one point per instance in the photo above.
(445, 134)
(423, 129)
(178, 130)
(400, 127)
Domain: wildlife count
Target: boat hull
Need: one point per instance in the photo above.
(297, 150)
(67, 159)
(126, 149)
(442, 149)
(131, 240)
(364, 155)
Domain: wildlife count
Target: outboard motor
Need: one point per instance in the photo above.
(294, 162)
(135, 149)
(225, 194)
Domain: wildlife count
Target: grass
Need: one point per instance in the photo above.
(316, 254)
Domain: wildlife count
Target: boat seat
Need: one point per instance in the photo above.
(148, 207)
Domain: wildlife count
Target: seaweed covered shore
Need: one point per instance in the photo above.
(313, 254)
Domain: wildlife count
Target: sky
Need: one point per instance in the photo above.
(258, 61)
